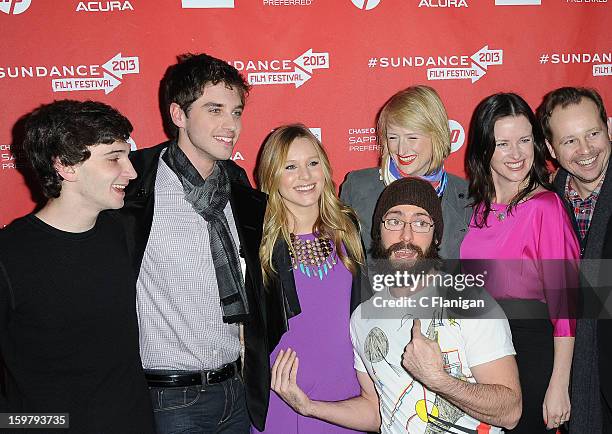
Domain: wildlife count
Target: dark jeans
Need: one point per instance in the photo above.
(215, 408)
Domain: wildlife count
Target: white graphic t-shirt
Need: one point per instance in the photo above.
(406, 406)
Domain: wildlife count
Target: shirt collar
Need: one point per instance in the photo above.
(573, 195)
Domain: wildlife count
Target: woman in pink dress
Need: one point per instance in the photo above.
(521, 231)
(311, 253)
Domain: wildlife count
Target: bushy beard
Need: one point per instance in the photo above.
(424, 261)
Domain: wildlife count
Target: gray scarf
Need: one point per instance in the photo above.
(208, 197)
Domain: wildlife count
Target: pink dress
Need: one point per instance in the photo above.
(535, 253)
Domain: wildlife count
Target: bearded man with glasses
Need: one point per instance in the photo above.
(420, 370)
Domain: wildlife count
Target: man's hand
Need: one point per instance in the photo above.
(494, 399)
(284, 376)
(423, 359)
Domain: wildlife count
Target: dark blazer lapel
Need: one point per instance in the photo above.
(138, 219)
(601, 218)
(282, 302)
(282, 262)
(248, 208)
(559, 185)
(139, 202)
(593, 245)
(585, 375)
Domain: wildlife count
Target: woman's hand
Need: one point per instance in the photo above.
(556, 407)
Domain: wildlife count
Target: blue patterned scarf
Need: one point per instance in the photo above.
(438, 179)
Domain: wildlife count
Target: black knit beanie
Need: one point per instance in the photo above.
(409, 191)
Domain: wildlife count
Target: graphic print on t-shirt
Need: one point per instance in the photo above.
(425, 411)
(377, 348)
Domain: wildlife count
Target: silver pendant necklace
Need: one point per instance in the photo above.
(500, 215)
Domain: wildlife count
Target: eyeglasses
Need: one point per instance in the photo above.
(419, 226)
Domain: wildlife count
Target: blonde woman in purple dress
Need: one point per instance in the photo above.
(312, 255)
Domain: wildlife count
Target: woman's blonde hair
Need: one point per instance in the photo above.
(336, 221)
(419, 108)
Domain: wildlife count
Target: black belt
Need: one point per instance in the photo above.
(200, 378)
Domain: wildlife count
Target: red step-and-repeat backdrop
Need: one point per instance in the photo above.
(329, 64)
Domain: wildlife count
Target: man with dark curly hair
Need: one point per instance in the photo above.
(68, 325)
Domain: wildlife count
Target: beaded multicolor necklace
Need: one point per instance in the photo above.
(314, 258)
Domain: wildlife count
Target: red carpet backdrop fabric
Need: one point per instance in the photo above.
(330, 64)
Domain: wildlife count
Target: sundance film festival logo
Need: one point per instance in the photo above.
(14, 7)
(601, 62)
(69, 78)
(454, 67)
(283, 71)
(206, 4)
(480, 62)
(114, 70)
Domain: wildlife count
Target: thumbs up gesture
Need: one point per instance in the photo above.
(422, 358)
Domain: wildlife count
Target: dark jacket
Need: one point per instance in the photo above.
(585, 388)
(248, 208)
(604, 332)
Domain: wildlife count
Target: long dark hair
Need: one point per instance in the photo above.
(481, 146)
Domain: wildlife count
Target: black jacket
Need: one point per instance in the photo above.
(585, 389)
(248, 208)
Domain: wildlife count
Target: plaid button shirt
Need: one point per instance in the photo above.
(583, 209)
